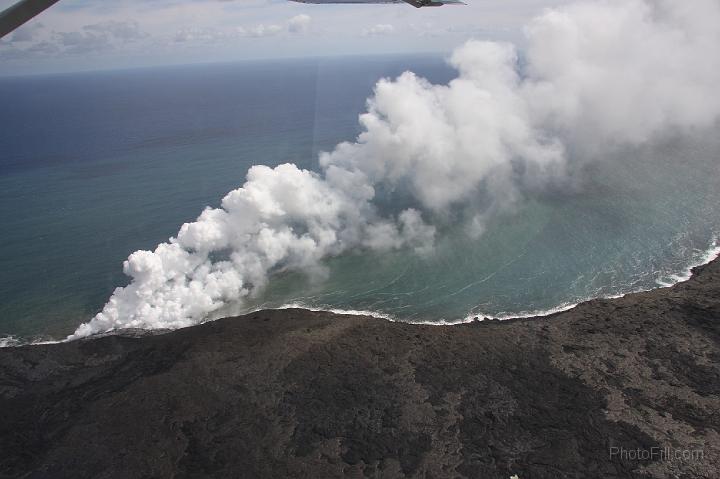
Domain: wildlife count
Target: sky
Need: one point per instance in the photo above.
(78, 35)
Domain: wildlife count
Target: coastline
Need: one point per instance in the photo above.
(296, 393)
(707, 256)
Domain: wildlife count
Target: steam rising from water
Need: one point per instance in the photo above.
(598, 76)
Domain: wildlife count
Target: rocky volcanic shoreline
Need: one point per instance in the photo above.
(628, 387)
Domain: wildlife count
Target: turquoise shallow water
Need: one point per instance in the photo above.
(120, 160)
(628, 229)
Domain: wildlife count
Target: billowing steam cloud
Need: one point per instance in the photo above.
(596, 75)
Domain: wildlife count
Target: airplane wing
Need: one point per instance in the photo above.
(24, 10)
(414, 3)
(433, 3)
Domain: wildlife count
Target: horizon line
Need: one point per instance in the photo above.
(339, 56)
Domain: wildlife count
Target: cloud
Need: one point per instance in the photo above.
(195, 34)
(35, 39)
(299, 24)
(83, 42)
(128, 30)
(27, 33)
(99, 37)
(597, 76)
(39, 49)
(295, 26)
(332, 31)
(379, 29)
(259, 31)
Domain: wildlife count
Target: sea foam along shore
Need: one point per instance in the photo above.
(703, 258)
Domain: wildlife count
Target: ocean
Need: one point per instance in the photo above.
(94, 166)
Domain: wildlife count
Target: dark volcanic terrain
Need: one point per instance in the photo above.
(295, 393)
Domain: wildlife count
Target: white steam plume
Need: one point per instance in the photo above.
(597, 75)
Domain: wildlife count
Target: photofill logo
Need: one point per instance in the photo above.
(657, 454)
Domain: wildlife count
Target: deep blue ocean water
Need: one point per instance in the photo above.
(94, 166)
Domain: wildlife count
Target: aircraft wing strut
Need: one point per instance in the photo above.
(433, 3)
(21, 12)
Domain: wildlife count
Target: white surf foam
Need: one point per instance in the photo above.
(13, 342)
(703, 258)
(9, 342)
(522, 314)
(348, 312)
